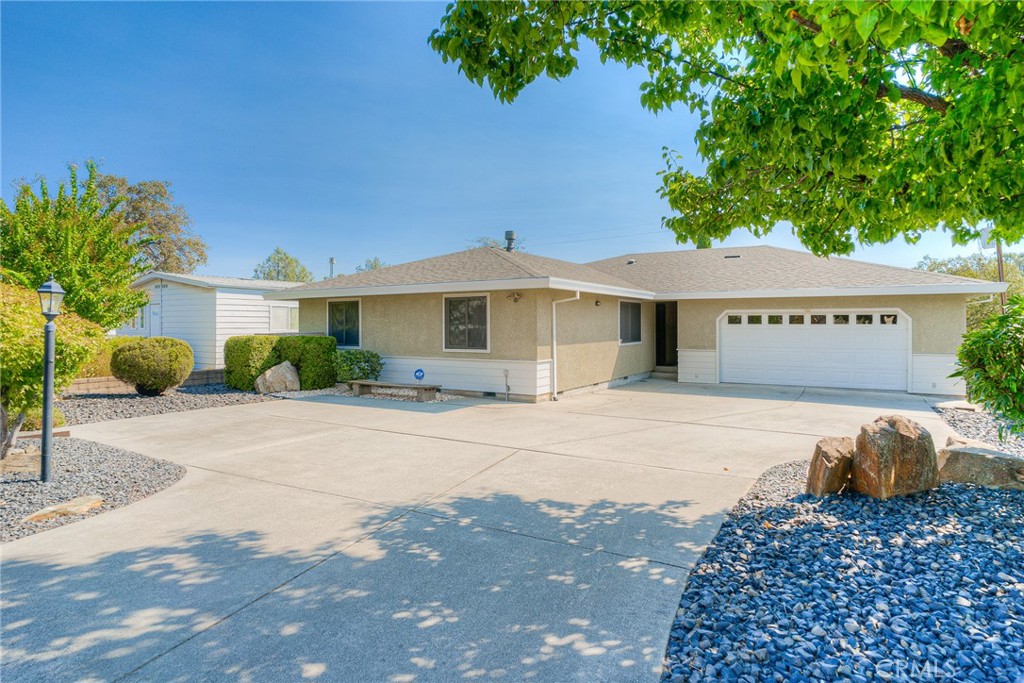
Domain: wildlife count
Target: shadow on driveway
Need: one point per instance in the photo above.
(431, 596)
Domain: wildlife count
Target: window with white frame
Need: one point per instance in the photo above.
(629, 322)
(465, 323)
(343, 322)
(284, 318)
(139, 321)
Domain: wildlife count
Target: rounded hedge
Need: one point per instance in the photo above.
(153, 364)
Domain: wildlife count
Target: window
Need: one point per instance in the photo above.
(139, 321)
(796, 320)
(465, 323)
(775, 320)
(753, 320)
(629, 322)
(841, 319)
(343, 322)
(865, 319)
(817, 320)
(284, 319)
(735, 319)
(887, 319)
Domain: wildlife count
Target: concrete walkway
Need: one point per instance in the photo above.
(365, 540)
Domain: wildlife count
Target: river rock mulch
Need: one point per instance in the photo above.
(80, 468)
(982, 427)
(927, 587)
(86, 408)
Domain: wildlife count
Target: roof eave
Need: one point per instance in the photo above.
(879, 290)
(460, 286)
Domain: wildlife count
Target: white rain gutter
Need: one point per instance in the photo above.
(554, 342)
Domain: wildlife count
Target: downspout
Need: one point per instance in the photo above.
(554, 342)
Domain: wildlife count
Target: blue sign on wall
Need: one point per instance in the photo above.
(419, 374)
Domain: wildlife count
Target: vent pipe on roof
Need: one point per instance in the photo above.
(510, 240)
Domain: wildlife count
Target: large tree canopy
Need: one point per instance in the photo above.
(80, 240)
(164, 228)
(854, 121)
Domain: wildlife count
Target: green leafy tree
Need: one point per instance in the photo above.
(485, 241)
(79, 240)
(164, 228)
(374, 263)
(21, 356)
(981, 267)
(281, 265)
(853, 121)
(991, 362)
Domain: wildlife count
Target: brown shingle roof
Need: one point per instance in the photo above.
(739, 269)
(473, 265)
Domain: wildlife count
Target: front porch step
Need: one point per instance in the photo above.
(670, 375)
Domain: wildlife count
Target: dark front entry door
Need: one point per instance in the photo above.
(666, 333)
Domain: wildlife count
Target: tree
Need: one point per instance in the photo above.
(485, 241)
(164, 227)
(81, 242)
(981, 267)
(853, 121)
(21, 356)
(281, 265)
(374, 263)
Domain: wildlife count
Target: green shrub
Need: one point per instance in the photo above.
(99, 366)
(34, 419)
(153, 364)
(313, 356)
(356, 364)
(21, 350)
(248, 357)
(991, 363)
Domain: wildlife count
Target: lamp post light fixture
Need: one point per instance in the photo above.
(50, 297)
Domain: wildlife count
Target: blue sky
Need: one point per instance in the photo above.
(331, 129)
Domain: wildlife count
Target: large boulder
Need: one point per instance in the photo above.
(965, 461)
(895, 456)
(281, 377)
(830, 465)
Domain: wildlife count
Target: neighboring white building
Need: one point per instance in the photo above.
(205, 311)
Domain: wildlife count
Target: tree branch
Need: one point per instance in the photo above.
(929, 100)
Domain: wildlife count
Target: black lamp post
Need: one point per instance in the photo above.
(50, 297)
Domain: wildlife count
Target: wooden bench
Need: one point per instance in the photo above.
(424, 392)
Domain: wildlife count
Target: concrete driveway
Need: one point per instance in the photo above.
(363, 540)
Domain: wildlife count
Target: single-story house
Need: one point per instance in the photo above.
(205, 311)
(493, 322)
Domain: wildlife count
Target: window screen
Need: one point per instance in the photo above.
(629, 322)
(465, 323)
(284, 318)
(343, 322)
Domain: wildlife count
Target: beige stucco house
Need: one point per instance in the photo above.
(492, 322)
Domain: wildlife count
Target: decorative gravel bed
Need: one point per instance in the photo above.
(85, 408)
(342, 390)
(80, 468)
(983, 427)
(794, 588)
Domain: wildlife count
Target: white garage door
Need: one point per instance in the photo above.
(859, 349)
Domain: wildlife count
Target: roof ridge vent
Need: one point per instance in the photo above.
(733, 255)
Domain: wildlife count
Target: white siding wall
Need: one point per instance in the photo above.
(240, 312)
(530, 378)
(186, 313)
(930, 375)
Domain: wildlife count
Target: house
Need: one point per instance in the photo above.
(491, 321)
(205, 311)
